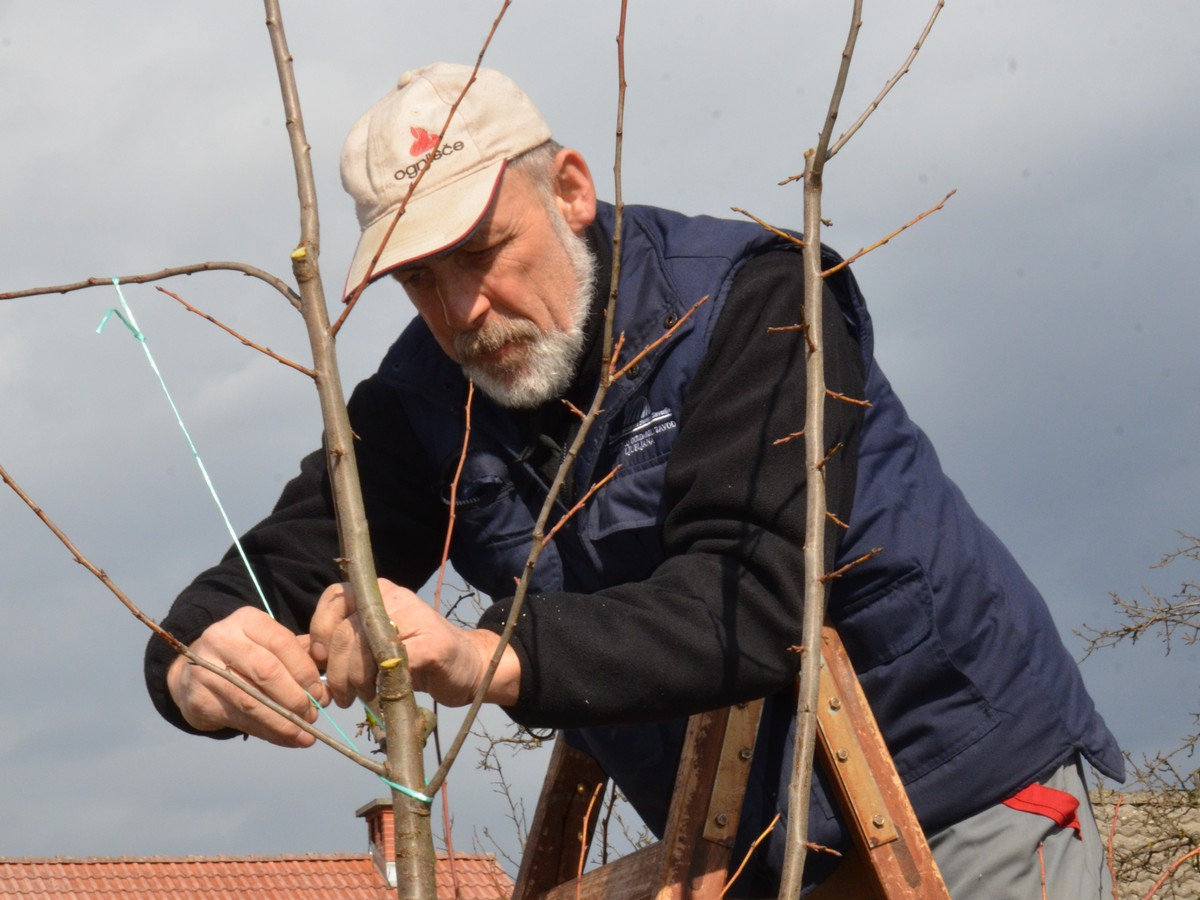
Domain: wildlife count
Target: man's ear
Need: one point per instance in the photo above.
(574, 190)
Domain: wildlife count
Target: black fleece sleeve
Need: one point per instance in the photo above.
(293, 550)
(714, 623)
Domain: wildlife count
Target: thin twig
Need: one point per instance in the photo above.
(879, 243)
(845, 399)
(821, 154)
(447, 819)
(791, 437)
(1171, 870)
(802, 325)
(578, 506)
(841, 142)
(245, 340)
(663, 338)
(282, 286)
(177, 645)
(608, 354)
(787, 236)
(836, 521)
(462, 459)
(604, 825)
(828, 456)
(750, 852)
(1112, 836)
(611, 360)
(352, 300)
(448, 837)
(583, 840)
(523, 582)
(838, 573)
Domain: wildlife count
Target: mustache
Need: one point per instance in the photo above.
(494, 335)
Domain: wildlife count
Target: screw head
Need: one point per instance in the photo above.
(721, 820)
(835, 703)
(877, 820)
(843, 755)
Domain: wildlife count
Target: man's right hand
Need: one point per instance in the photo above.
(262, 652)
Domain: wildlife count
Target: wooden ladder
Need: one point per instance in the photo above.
(890, 857)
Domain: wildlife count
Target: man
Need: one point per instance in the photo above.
(678, 587)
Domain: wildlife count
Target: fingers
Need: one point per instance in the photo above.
(339, 643)
(350, 667)
(268, 656)
(335, 606)
(446, 661)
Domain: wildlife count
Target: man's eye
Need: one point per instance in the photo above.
(410, 278)
(481, 254)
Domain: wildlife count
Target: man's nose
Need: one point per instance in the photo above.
(463, 299)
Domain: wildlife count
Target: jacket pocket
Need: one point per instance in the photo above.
(620, 530)
(493, 528)
(927, 707)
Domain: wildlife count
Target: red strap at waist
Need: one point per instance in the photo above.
(1058, 806)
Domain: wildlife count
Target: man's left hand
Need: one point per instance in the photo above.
(446, 661)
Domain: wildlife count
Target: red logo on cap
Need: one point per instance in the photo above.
(423, 141)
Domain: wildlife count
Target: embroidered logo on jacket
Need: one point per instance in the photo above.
(642, 427)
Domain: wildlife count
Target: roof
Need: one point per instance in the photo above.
(315, 876)
(1153, 829)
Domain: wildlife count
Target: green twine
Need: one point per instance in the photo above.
(125, 314)
(127, 318)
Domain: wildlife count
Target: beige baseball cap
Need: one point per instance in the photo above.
(399, 137)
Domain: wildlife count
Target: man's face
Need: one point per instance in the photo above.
(509, 303)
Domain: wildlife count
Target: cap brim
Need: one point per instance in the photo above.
(431, 223)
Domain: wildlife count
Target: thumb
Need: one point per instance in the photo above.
(315, 649)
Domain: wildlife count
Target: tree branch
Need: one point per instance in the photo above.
(657, 342)
(282, 286)
(177, 645)
(800, 787)
(414, 856)
(245, 340)
(779, 232)
(891, 83)
(606, 369)
(832, 270)
(352, 300)
(566, 517)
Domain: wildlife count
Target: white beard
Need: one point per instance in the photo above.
(545, 369)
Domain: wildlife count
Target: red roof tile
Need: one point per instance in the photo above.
(314, 876)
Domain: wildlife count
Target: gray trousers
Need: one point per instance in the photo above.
(993, 855)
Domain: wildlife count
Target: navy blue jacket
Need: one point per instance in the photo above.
(956, 650)
(954, 647)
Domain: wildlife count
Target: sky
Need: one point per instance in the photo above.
(1040, 328)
